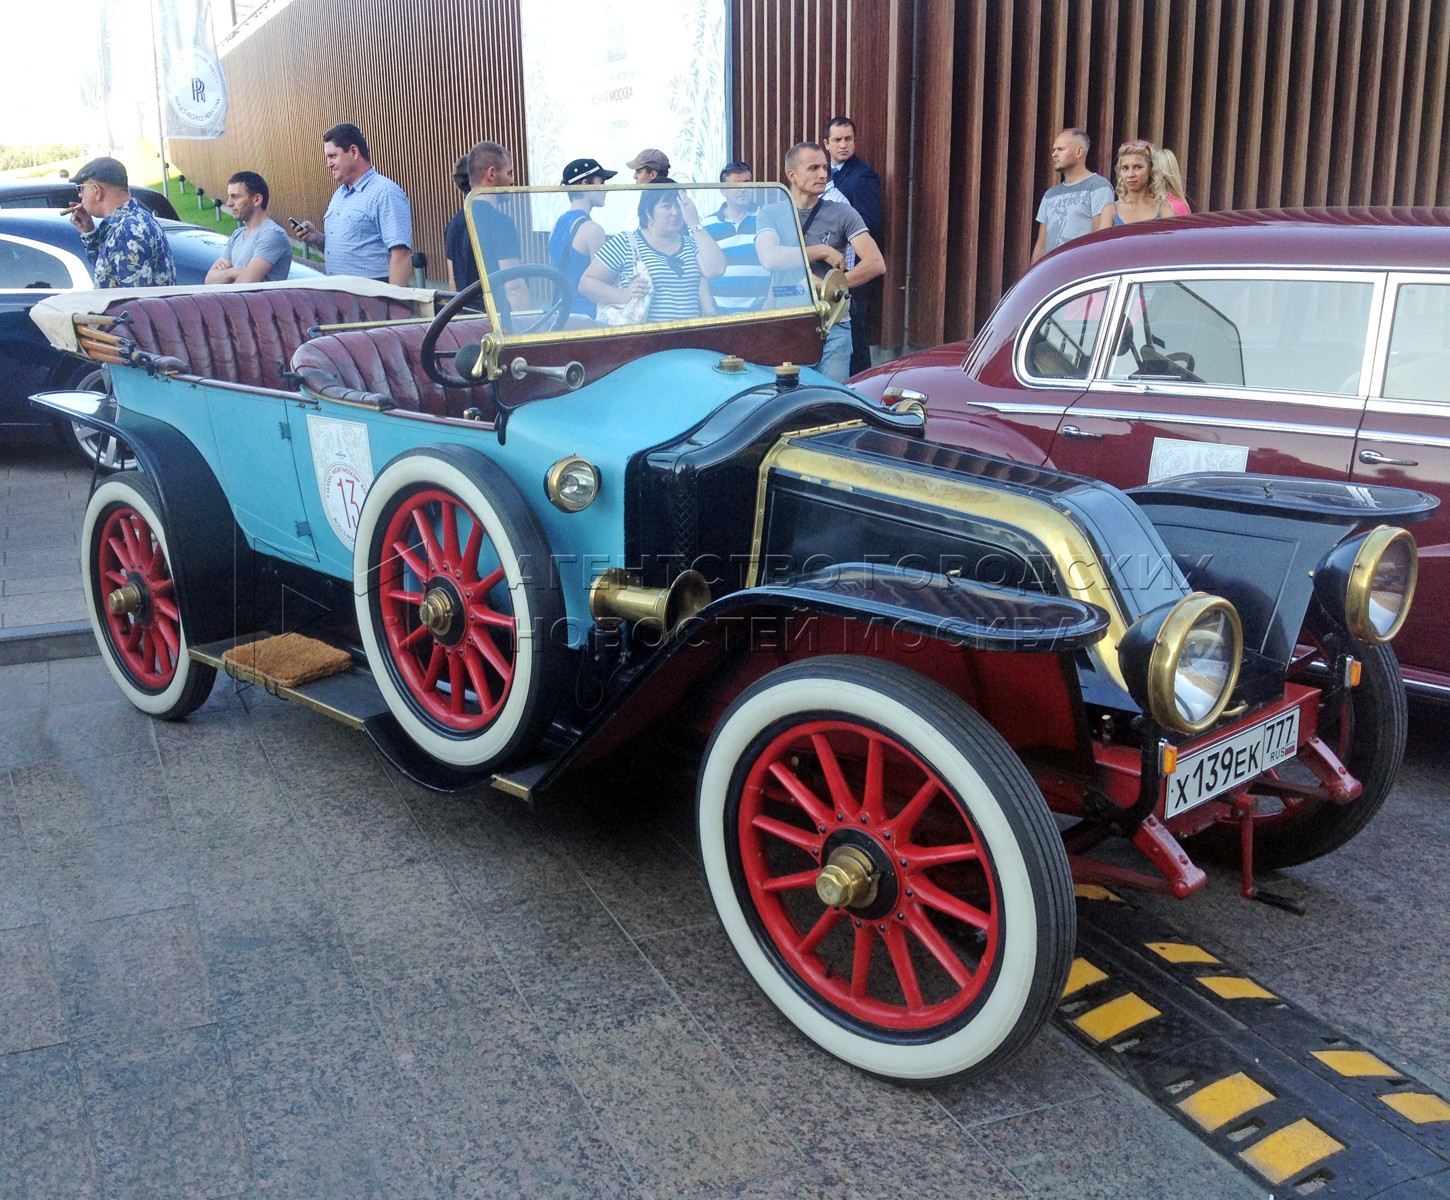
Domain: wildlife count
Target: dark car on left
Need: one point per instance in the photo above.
(60, 193)
(41, 254)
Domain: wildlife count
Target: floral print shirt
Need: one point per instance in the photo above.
(130, 250)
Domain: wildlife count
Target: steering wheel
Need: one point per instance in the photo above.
(552, 318)
(1182, 358)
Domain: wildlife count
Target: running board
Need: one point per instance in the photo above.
(353, 699)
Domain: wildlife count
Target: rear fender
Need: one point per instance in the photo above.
(211, 563)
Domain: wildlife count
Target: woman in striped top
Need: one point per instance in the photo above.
(662, 258)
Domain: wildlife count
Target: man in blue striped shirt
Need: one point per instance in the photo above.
(368, 229)
(746, 283)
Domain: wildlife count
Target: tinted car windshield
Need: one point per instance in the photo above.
(636, 257)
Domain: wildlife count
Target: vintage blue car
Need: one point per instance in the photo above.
(530, 532)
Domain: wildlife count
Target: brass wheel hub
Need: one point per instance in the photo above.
(124, 600)
(848, 880)
(436, 612)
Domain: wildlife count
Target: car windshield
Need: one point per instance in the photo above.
(590, 260)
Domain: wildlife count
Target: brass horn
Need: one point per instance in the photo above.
(617, 593)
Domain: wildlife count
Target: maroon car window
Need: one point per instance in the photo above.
(1275, 334)
(1419, 351)
(1062, 343)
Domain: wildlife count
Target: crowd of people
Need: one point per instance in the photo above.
(677, 264)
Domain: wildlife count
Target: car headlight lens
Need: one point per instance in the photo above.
(1370, 581)
(572, 483)
(1181, 661)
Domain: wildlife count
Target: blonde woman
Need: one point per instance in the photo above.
(1139, 189)
(1172, 177)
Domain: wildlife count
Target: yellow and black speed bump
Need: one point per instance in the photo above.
(1293, 1103)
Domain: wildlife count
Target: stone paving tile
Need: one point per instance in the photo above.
(363, 829)
(943, 1164)
(134, 974)
(106, 726)
(1108, 1147)
(30, 1008)
(48, 1149)
(670, 1103)
(1051, 1070)
(32, 585)
(93, 874)
(59, 797)
(23, 739)
(19, 897)
(165, 1115)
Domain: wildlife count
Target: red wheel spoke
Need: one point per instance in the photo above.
(448, 519)
(920, 925)
(871, 796)
(491, 654)
(114, 576)
(943, 901)
(156, 564)
(791, 883)
(166, 608)
(435, 668)
(807, 840)
(131, 540)
(420, 634)
(456, 684)
(801, 794)
(163, 586)
(474, 665)
(922, 857)
(895, 938)
(425, 535)
(907, 818)
(403, 596)
(489, 616)
(412, 561)
(861, 960)
(490, 581)
(121, 552)
(167, 631)
(827, 922)
(147, 652)
(134, 635)
(841, 793)
(470, 553)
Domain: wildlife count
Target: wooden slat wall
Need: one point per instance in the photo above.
(423, 83)
(1267, 103)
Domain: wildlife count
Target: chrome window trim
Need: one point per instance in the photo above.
(1404, 439)
(80, 275)
(1381, 343)
(1113, 283)
(1118, 387)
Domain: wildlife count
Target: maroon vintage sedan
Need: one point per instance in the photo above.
(1306, 342)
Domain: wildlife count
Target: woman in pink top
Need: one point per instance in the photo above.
(1173, 192)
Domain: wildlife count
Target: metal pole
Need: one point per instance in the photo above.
(160, 107)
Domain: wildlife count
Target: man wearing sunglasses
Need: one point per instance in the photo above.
(1068, 208)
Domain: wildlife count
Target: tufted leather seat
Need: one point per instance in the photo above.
(384, 366)
(244, 337)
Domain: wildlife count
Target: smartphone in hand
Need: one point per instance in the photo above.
(294, 222)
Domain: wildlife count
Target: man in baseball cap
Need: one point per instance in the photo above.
(649, 166)
(585, 171)
(576, 234)
(127, 246)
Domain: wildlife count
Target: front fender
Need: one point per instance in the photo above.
(938, 616)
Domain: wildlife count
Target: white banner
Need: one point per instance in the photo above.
(603, 82)
(192, 84)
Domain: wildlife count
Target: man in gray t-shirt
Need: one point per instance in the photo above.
(1067, 210)
(260, 248)
(830, 229)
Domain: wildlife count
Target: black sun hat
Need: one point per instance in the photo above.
(585, 168)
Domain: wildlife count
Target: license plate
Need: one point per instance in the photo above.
(1226, 765)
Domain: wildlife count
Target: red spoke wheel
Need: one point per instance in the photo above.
(459, 613)
(1300, 823)
(131, 597)
(886, 868)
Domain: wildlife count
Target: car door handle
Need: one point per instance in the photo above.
(1375, 459)
(1074, 431)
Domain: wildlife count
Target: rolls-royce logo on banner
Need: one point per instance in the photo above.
(191, 73)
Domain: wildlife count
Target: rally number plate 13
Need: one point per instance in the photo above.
(1226, 765)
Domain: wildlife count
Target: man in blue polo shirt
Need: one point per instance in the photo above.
(368, 229)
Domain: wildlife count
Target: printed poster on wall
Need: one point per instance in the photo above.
(606, 79)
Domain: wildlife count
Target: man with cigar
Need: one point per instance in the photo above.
(127, 245)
